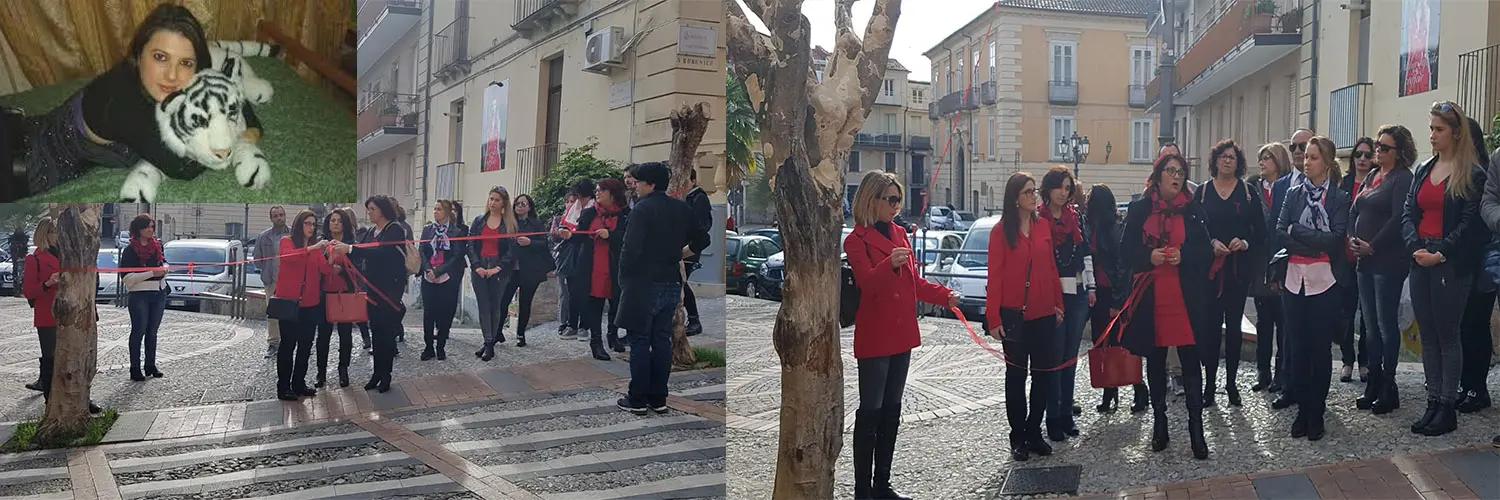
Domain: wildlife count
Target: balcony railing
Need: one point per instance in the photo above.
(452, 44)
(878, 140)
(920, 142)
(387, 110)
(963, 100)
(1137, 96)
(1346, 116)
(1220, 31)
(1060, 92)
(988, 93)
(533, 163)
(536, 16)
(1479, 85)
(446, 180)
(932, 111)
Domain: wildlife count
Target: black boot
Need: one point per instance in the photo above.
(1373, 388)
(1478, 399)
(1262, 380)
(428, 352)
(1110, 402)
(866, 426)
(1037, 444)
(885, 454)
(521, 339)
(1018, 447)
(343, 376)
(1159, 438)
(693, 327)
(373, 383)
(39, 385)
(1390, 397)
(1142, 399)
(1209, 388)
(1195, 402)
(488, 352)
(136, 375)
(596, 344)
(1432, 411)
(1233, 390)
(1299, 425)
(614, 342)
(385, 383)
(442, 349)
(1445, 421)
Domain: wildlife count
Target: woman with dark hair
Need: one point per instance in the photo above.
(1446, 241)
(1023, 310)
(1362, 163)
(595, 266)
(1475, 331)
(1375, 239)
(1237, 224)
(1109, 281)
(580, 198)
(493, 260)
(299, 277)
(533, 264)
(442, 277)
(111, 122)
(885, 327)
(1167, 247)
(385, 268)
(147, 297)
(1071, 250)
(338, 225)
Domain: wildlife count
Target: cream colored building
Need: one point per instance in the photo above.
(390, 102)
(217, 220)
(1022, 76)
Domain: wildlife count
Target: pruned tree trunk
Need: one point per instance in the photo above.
(688, 125)
(76, 358)
(807, 128)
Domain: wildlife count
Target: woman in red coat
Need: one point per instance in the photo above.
(885, 327)
(300, 277)
(1023, 307)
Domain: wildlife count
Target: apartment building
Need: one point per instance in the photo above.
(915, 172)
(390, 103)
(217, 220)
(1013, 88)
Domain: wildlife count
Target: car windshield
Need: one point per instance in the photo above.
(966, 217)
(198, 256)
(978, 239)
(732, 248)
(108, 259)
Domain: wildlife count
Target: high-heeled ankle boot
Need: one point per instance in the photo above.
(885, 454)
(1432, 410)
(1195, 424)
(614, 342)
(442, 349)
(1110, 402)
(1159, 437)
(866, 425)
(596, 344)
(1142, 399)
(1390, 395)
(1231, 383)
(1372, 392)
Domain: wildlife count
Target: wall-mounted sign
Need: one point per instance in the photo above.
(697, 40)
(619, 94)
(496, 104)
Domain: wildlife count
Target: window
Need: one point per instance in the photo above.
(234, 229)
(890, 124)
(1140, 140)
(1063, 63)
(994, 137)
(820, 75)
(1141, 65)
(890, 161)
(889, 88)
(1062, 127)
(947, 80)
(1239, 116)
(854, 161)
(974, 75)
(456, 130)
(959, 73)
(992, 60)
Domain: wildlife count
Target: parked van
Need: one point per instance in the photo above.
(972, 288)
(209, 273)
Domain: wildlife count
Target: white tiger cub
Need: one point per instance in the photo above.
(202, 122)
(228, 57)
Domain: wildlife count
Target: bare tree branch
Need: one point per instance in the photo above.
(749, 51)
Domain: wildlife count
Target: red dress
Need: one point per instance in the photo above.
(1170, 312)
(599, 284)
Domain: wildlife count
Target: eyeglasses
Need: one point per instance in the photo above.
(1028, 192)
(1229, 157)
(1362, 154)
(893, 200)
(1174, 172)
(1298, 147)
(1385, 148)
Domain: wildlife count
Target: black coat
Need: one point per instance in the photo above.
(507, 248)
(698, 201)
(1105, 236)
(582, 277)
(453, 259)
(1139, 336)
(652, 247)
(535, 260)
(1249, 266)
(383, 265)
(1298, 239)
(1464, 234)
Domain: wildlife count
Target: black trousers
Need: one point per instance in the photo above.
(440, 302)
(385, 325)
(1156, 377)
(346, 344)
(523, 314)
(1355, 351)
(1032, 347)
(47, 335)
(1270, 330)
(1308, 330)
(1474, 337)
(689, 302)
(296, 348)
(1228, 308)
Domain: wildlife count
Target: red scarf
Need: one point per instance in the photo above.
(148, 251)
(1154, 231)
(607, 216)
(1064, 227)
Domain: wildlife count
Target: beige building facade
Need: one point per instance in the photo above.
(1019, 78)
(217, 220)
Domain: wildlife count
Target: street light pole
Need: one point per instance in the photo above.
(1074, 148)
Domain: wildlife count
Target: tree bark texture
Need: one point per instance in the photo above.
(77, 322)
(807, 129)
(688, 125)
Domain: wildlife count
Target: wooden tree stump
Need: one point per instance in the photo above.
(76, 357)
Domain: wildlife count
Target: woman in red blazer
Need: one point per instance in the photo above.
(300, 277)
(885, 327)
(1023, 306)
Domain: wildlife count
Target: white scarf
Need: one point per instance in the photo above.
(1313, 214)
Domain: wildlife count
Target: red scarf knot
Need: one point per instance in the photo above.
(1064, 227)
(148, 251)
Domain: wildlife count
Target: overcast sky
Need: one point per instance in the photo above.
(922, 25)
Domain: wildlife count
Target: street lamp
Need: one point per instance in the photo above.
(1074, 149)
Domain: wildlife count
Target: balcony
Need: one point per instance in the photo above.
(446, 180)
(1060, 92)
(452, 49)
(1137, 96)
(381, 24)
(988, 93)
(932, 111)
(878, 140)
(1346, 115)
(1237, 42)
(385, 120)
(963, 100)
(1479, 85)
(533, 163)
(919, 143)
(537, 17)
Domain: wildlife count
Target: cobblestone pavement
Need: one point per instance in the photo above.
(954, 437)
(212, 359)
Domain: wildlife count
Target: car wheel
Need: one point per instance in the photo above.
(752, 289)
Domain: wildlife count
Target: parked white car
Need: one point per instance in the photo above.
(962, 220)
(972, 289)
(208, 275)
(109, 283)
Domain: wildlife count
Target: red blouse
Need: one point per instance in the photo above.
(599, 281)
(1430, 200)
(491, 243)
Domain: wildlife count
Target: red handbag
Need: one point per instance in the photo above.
(1113, 366)
(346, 307)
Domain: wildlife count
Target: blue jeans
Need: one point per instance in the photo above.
(146, 309)
(1069, 335)
(651, 348)
(1380, 304)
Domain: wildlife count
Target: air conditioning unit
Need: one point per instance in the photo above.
(604, 50)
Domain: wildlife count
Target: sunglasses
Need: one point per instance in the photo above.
(893, 200)
(1385, 148)
(1445, 107)
(1298, 147)
(1362, 154)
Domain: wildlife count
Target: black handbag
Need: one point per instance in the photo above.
(1011, 319)
(281, 308)
(1276, 268)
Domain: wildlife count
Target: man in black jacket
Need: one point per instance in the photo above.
(696, 199)
(662, 232)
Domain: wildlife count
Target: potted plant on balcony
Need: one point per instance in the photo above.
(389, 113)
(1291, 21)
(1261, 15)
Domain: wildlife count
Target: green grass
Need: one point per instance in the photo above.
(309, 142)
(24, 438)
(707, 358)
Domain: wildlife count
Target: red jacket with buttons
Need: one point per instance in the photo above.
(1006, 286)
(300, 274)
(40, 266)
(886, 323)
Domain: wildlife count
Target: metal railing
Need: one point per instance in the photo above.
(962, 100)
(919, 142)
(446, 186)
(988, 92)
(1062, 92)
(1137, 96)
(535, 14)
(1479, 85)
(386, 109)
(453, 46)
(877, 140)
(1346, 115)
(534, 162)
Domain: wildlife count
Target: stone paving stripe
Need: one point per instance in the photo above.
(212, 438)
(613, 366)
(544, 440)
(27, 456)
(60, 495)
(103, 482)
(219, 395)
(1288, 486)
(697, 449)
(396, 398)
(131, 426)
(207, 484)
(23, 476)
(696, 375)
(701, 485)
(264, 414)
(429, 484)
(6, 429)
(167, 462)
(705, 390)
(505, 382)
(1479, 470)
(499, 418)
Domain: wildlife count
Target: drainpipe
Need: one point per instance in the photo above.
(1167, 73)
(1312, 96)
(427, 109)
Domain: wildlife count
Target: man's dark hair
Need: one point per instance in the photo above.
(177, 19)
(584, 188)
(654, 173)
(273, 210)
